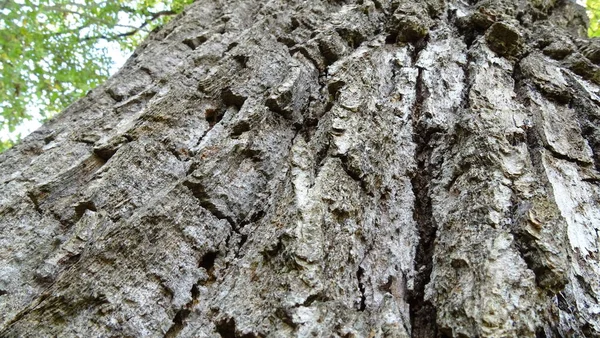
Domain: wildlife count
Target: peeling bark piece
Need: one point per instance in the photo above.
(232, 97)
(504, 39)
(107, 149)
(409, 23)
(482, 19)
(311, 51)
(195, 42)
(547, 76)
(558, 50)
(591, 50)
(290, 98)
(583, 67)
(332, 46)
(135, 84)
(559, 130)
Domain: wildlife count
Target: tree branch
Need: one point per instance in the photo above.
(153, 17)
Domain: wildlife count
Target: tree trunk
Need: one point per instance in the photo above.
(377, 168)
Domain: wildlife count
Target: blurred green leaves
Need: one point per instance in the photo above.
(593, 7)
(51, 51)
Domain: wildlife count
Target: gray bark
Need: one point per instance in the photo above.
(377, 168)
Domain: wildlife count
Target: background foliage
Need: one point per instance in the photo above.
(593, 7)
(51, 51)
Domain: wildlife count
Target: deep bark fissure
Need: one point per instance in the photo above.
(354, 174)
(197, 190)
(589, 118)
(207, 262)
(178, 323)
(81, 208)
(565, 157)
(36, 204)
(422, 312)
(360, 274)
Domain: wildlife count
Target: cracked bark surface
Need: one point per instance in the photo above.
(369, 168)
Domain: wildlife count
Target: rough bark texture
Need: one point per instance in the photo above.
(377, 168)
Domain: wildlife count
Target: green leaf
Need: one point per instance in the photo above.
(593, 7)
(50, 54)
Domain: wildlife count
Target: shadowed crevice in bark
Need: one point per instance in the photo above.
(355, 173)
(587, 112)
(194, 43)
(178, 323)
(81, 208)
(34, 200)
(107, 150)
(207, 262)
(197, 190)
(422, 312)
(227, 329)
(360, 275)
(231, 98)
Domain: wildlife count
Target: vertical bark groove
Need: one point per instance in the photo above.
(422, 312)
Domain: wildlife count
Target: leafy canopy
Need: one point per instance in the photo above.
(51, 51)
(593, 7)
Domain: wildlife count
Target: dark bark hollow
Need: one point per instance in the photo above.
(318, 168)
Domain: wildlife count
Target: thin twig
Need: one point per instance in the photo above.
(132, 32)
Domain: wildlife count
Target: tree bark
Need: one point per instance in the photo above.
(368, 168)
